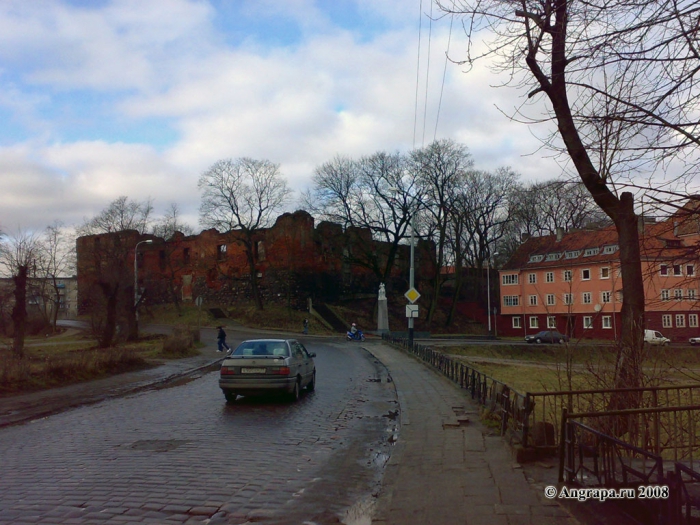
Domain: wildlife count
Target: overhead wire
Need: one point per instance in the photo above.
(427, 73)
(444, 71)
(415, 109)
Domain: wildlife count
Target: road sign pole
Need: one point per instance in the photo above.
(410, 278)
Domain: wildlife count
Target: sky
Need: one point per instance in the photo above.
(102, 98)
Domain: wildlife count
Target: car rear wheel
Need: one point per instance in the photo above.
(294, 396)
(312, 384)
(538, 341)
(230, 396)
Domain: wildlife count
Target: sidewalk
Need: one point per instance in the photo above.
(447, 468)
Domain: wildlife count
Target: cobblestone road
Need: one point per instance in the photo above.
(181, 455)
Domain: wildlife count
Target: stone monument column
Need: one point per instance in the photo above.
(382, 312)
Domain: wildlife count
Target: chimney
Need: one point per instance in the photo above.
(560, 233)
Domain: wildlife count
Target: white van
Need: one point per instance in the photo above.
(655, 338)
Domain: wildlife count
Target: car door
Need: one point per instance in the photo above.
(307, 365)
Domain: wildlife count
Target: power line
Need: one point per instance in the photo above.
(444, 71)
(427, 73)
(415, 109)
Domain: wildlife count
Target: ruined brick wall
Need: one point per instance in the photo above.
(294, 260)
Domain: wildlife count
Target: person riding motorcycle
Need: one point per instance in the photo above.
(353, 329)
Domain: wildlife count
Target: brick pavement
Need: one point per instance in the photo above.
(446, 470)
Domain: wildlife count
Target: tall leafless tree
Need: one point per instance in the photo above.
(244, 194)
(58, 260)
(619, 78)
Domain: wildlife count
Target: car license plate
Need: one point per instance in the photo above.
(252, 370)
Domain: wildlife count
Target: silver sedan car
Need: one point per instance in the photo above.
(261, 366)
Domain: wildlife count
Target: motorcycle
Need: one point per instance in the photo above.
(357, 336)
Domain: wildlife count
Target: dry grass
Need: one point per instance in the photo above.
(276, 317)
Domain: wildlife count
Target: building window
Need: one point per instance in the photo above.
(680, 320)
(610, 249)
(666, 321)
(549, 277)
(586, 297)
(607, 321)
(568, 298)
(663, 269)
(606, 296)
(691, 294)
(533, 300)
(551, 299)
(511, 300)
(261, 251)
(678, 294)
(536, 258)
(573, 254)
(554, 256)
(693, 320)
(221, 252)
(677, 270)
(605, 273)
(510, 279)
(532, 278)
(690, 270)
(516, 322)
(619, 295)
(186, 256)
(587, 322)
(665, 295)
(567, 276)
(534, 322)
(551, 321)
(590, 252)
(585, 275)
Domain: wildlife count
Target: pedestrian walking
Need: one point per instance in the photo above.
(221, 339)
(306, 326)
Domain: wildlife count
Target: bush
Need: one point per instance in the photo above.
(181, 343)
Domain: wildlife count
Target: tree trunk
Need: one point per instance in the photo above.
(254, 290)
(19, 311)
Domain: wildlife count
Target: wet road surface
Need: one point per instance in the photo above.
(182, 455)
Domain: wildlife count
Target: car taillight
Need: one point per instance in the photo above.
(281, 371)
(226, 371)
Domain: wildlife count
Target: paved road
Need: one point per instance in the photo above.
(181, 455)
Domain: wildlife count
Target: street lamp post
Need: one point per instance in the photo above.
(488, 290)
(411, 280)
(136, 276)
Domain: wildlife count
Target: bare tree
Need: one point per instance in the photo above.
(170, 223)
(58, 260)
(441, 169)
(18, 255)
(121, 214)
(620, 78)
(244, 194)
(376, 192)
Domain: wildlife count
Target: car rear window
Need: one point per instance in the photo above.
(262, 348)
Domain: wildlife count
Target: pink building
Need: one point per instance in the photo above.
(572, 282)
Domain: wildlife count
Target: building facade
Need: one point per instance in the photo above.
(571, 282)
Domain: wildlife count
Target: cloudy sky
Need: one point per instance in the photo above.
(102, 98)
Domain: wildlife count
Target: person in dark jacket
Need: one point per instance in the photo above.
(221, 340)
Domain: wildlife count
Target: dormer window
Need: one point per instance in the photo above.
(553, 256)
(673, 243)
(612, 248)
(572, 254)
(536, 258)
(590, 252)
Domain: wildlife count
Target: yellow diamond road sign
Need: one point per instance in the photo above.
(412, 295)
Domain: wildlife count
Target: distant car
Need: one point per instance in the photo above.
(261, 366)
(653, 337)
(546, 336)
(694, 341)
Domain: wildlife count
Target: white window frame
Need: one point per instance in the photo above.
(690, 270)
(568, 299)
(590, 252)
(534, 321)
(532, 300)
(551, 299)
(678, 294)
(607, 322)
(586, 274)
(551, 322)
(587, 322)
(680, 320)
(567, 275)
(511, 300)
(691, 294)
(693, 320)
(516, 322)
(678, 270)
(663, 270)
(549, 277)
(606, 270)
(532, 278)
(605, 296)
(587, 298)
(665, 295)
(509, 279)
(667, 321)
